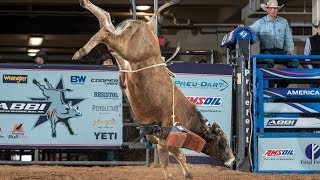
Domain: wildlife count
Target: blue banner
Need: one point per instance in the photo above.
(60, 106)
(292, 93)
(209, 91)
(289, 154)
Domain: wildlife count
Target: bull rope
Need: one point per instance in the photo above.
(156, 65)
(173, 114)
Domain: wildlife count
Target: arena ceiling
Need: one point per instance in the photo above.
(65, 26)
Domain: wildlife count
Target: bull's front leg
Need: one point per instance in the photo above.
(181, 158)
(96, 39)
(164, 159)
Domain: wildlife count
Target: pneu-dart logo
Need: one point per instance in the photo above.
(52, 107)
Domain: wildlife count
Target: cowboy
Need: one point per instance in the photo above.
(312, 47)
(41, 57)
(275, 35)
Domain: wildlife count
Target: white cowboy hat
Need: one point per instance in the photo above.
(271, 3)
(316, 25)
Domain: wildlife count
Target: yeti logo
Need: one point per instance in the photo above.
(59, 111)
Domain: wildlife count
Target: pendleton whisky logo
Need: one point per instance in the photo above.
(14, 78)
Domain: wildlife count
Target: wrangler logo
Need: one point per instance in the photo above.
(15, 78)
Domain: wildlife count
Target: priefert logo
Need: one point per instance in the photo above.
(312, 152)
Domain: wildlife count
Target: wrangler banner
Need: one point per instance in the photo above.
(51, 105)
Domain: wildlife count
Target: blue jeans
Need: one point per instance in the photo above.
(269, 63)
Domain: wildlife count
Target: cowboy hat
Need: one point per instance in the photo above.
(272, 4)
(42, 54)
(316, 26)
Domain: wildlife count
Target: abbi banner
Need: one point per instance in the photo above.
(60, 106)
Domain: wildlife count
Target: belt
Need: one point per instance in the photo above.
(272, 49)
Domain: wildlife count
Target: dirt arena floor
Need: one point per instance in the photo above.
(201, 172)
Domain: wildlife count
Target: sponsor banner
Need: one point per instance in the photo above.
(292, 123)
(291, 73)
(60, 106)
(211, 93)
(289, 154)
(294, 93)
(303, 107)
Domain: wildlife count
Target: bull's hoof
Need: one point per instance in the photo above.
(79, 54)
(54, 135)
(188, 176)
(35, 81)
(82, 2)
(45, 80)
(72, 133)
(170, 176)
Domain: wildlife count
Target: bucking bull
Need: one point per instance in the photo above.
(150, 89)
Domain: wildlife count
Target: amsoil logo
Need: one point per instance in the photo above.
(312, 152)
(14, 78)
(17, 132)
(278, 152)
(205, 101)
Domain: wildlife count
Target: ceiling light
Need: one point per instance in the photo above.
(32, 54)
(143, 7)
(35, 41)
(33, 50)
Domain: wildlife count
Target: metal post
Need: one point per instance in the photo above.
(155, 9)
(212, 56)
(243, 105)
(148, 157)
(36, 155)
(315, 14)
(134, 11)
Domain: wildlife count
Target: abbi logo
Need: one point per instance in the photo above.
(313, 153)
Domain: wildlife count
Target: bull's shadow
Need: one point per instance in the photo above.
(59, 111)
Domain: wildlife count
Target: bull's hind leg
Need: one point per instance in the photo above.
(181, 158)
(103, 16)
(164, 160)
